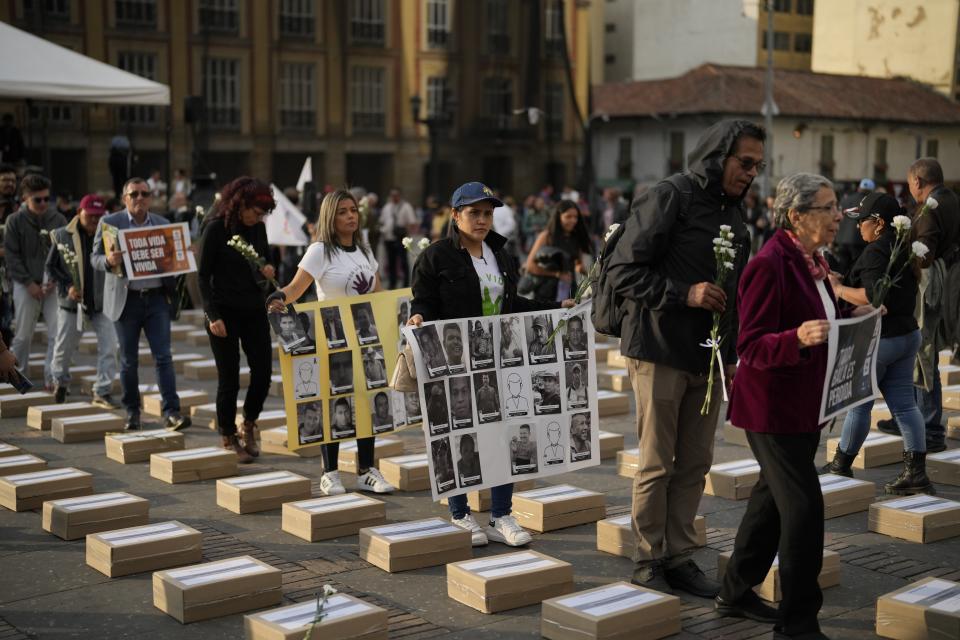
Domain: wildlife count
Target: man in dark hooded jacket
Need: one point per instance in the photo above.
(663, 267)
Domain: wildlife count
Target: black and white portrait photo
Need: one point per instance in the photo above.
(309, 345)
(546, 391)
(306, 374)
(468, 460)
(403, 314)
(539, 328)
(481, 344)
(523, 449)
(341, 372)
(511, 342)
(433, 357)
(516, 395)
(443, 465)
(397, 402)
(553, 450)
(574, 339)
(488, 396)
(453, 346)
(461, 402)
(374, 367)
(412, 413)
(364, 323)
(286, 325)
(438, 417)
(381, 417)
(580, 437)
(342, 422)
(310, 421)
(575, 389)
(333, 327)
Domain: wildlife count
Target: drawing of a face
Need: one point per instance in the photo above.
(514, 384)
(306, 372)
(553, 433)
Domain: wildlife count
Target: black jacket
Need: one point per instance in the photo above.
(902, 297)
(940, 228)
(664, 251)
(446, 286)
(227, 281)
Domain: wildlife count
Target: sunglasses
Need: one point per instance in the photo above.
(39, 199)
(749, 163)
(139, 194)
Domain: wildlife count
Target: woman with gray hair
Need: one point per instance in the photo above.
(785, 305)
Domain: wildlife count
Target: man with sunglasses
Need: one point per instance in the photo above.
(26, 243)
(137, 306)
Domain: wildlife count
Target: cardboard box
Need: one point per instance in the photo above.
(946, 358)
(842, 496)
(944, 467)
(615, 535)
(179, 331)
(198, 338)
(147, 548)
(261, 491)
(276, 386)
(26, 491)
(926, 609)
(610, 444)
(22, 463)
(88, 345)
(7, 389)
(414, 545)
(16, 405)
(920, 518)
(216, 589)
(951, 397)
(73, 518)
(611, 403)
(345, 618)
(407, 473)
(79, 372)
(35, 369)
(733, 480)
(616, 359)
(152, 403)
(618, 611)
(880, 411)
(181, 359)
(93, 426)
(190, 465)
(878, 449)
(205, 415)
(557, 507)
(628, 462)
(508, 581)
(383, 447)
(275, 441)
(613, 379)
(207, 370)
(949, 375)
(770, 589)
(482, 500)
(193, 317)
(40, 416)
(601, 351)
(7, 450)
(267, 419)
(332, 516)
(735, 435)
(127, 448)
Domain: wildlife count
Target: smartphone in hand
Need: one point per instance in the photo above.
(21, 383)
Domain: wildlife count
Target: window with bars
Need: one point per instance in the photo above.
(367, 22)
(803, 42)
(136, 13)
(368, 100)
(297, 96)
(219, 16)
(145, 66)
(933, 147)
(438, 24)
(55, 114)
(554, 102)
(625, 158)
(497, 103)
(805, 7)
(47, 10)
(781, 41)
(498, 30)
(553, 31)
(436, 88)
(221, 92)
(781, 6)
(826, 157)
(297, 18)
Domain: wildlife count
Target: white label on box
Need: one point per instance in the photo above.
(920, 504)
(560, 491)
(96, 417)
(610, 600)
(950, 605)
(607, 435)
(421, 529)
(924, 591)
(44, 476)
(624, 602)
(16, 461)
(148, 533)
(190, 454)
(935, 506)
(129, 437)
(737, 467)
(275, 413)
(945, 455)
(263, 479)
(283, 431)
(405, 460)
(218, 571)
(332, 504)
(631, 452)
(94, 502)
(573, 493)
(508, 564)
(829, 483)
(606, 393)
(302, 615)
(880, 438)
(6, 447)
(620, 521)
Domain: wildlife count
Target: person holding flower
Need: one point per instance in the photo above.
(887, 256)
(341, 265)
(233, 293)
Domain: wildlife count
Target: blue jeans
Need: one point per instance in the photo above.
(895, 360)
(501, 499)
(151, 314)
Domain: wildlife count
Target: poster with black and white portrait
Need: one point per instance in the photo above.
(290, 334)
(523, 449)
(554, 449)
(364, 324)
(310, 421)
(381, 415)
(576, 393)
(412, 414)
(487, 395)
(442, 465)
(468, 460)
(374, 367)
(307, 381)
(428, 340)
(481, 344)
(517, 394)
(342, 418)
(309, 345)
(546, 391)
(452, 336)
(461, 402)
(511, 341)
(438, 416)
(341, 372)
(575, 343)
(538, 329)
(333, 328)
(581, 437)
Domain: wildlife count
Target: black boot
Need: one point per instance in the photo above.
(889, 426)
(913, 479)
(840, 465)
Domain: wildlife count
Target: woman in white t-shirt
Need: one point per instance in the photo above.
(341, 265)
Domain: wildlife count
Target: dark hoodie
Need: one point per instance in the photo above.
(664, 251)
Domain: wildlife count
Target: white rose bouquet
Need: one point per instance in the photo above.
(917, 250)
(723, 255)
(245, 249)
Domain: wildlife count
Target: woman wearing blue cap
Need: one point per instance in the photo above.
(465, 275)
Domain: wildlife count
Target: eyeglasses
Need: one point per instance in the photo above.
(39, 199)
(833, 206)
(749, 163)
(874, 218)
(139, 194)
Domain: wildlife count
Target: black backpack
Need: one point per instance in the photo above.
(608, 309)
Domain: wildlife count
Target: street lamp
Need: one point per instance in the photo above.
(436, 124)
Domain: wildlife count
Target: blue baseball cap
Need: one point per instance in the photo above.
(467, 194)
(867, 185)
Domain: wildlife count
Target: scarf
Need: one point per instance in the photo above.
(816, 263)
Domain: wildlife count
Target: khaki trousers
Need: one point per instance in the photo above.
(676, 451)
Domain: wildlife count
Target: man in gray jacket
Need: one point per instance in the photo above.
(26, 244)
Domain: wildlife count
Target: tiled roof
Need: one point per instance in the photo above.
(720, 89)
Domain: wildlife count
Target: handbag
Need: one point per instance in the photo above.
(405, 373)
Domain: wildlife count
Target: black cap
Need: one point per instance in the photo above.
(881, 205)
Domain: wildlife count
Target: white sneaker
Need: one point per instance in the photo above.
(506, 530)
(477, 536)
(330, 484)
(374, 482)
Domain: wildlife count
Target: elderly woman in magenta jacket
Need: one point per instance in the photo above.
(785, 305)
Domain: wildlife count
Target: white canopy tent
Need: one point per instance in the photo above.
(41, 70)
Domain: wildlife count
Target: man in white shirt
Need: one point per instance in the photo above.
(397, 219)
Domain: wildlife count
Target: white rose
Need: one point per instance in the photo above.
(328, 590)
(199, 210)
(718, 242)
(932, 203)
(216, 196)
(919, 249)
(901, 223)
(728, 265)
(610, 231)
(424, 243)
(406, 242)
(725, 228)
(727, 244)
(731, 252)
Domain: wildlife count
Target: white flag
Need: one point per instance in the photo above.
(306, 174)
(285, 224)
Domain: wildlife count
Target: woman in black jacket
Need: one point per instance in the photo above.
(465, 275)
